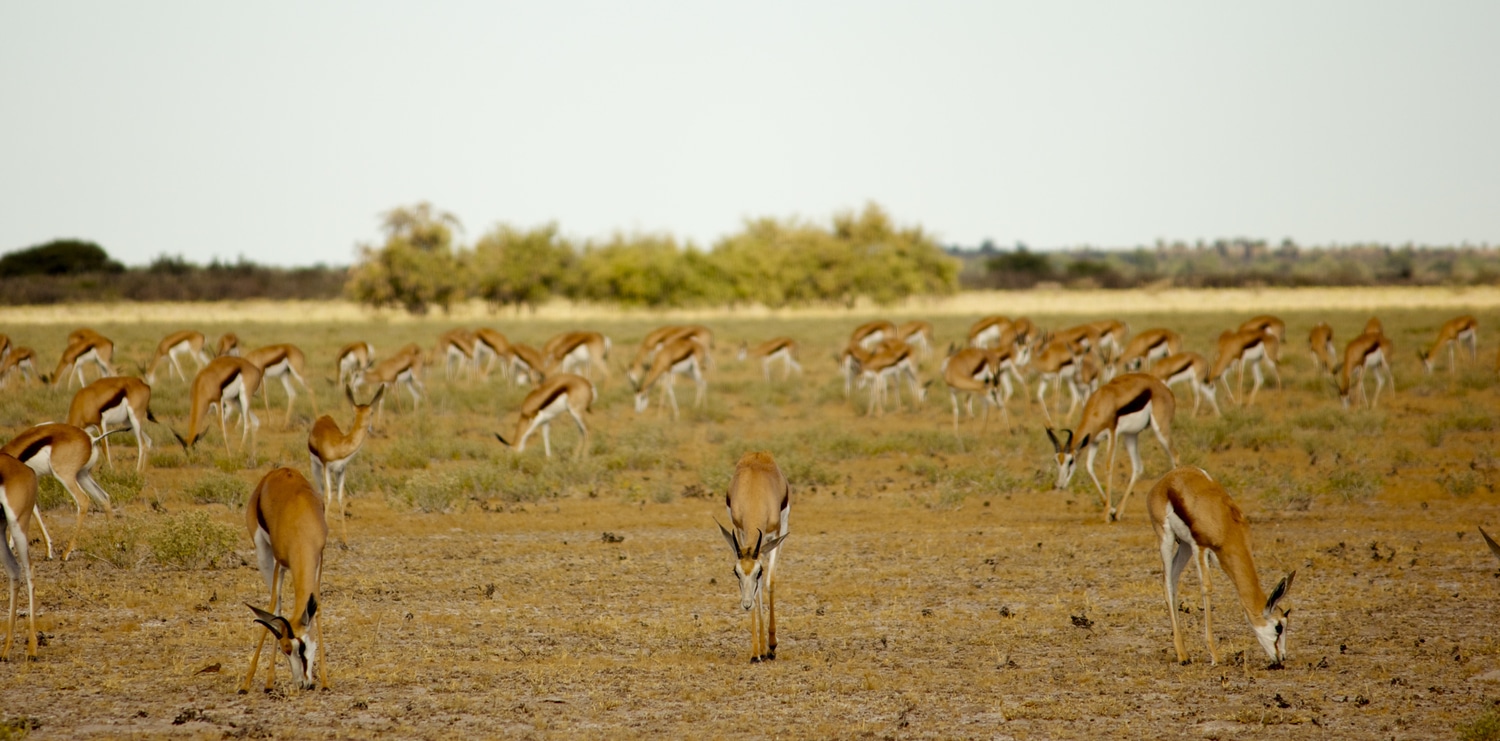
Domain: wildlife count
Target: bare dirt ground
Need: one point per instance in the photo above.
(932, 587)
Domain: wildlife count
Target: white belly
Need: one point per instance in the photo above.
(1133, 423)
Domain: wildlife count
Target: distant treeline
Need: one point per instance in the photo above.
(771, 262)
(1228, 263)
(72, 271)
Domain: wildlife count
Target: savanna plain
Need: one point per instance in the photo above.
(933, 585)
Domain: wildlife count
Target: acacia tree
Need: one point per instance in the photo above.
(416, 268)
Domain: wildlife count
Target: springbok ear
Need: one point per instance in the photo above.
(1279, 592)
(1494, 547)
(1056, 446)
(773, 543)
(734, 543)
(312, 609)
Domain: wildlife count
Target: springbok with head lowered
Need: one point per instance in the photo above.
(563, 393)
(331, 450)
(681, 356)
(285, 519)
(1193, 368)
(184, 342)
(17, 500)
(84, 346)
(67, 453)
(1193, 517)
(285, 362)
(18, 360)
(353, 357)
(779, 348)
(1463, 330)
(579, 352)
(1252, 347)
(1122, 408)
(1371, 352)
(403, 370)
(759, 504)
(115, 401)
(229, 383)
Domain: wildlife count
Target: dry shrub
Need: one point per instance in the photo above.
(1486, 727)
(123, 484)
(214, 487)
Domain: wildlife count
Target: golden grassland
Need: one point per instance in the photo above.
(933, 586)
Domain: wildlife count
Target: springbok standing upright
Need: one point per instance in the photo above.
(17, 500)
(285, 519)
(331, 450)
(759, 504)
(1193, 516)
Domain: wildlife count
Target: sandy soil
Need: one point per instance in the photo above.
(931, 588)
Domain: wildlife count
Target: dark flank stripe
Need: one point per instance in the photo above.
(778, 347)
(227, 381)
(114, 401)
(34, 448)
(260, 518)
(1181, 366)
(1135, 405)
(559, 391)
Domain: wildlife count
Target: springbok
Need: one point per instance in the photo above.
(17, 500)
(355, 356)
(88, 347)
(1193, 517)
(1370, 352)
(759, 501)
(558, 394)
(68, 455)
(229, 383)
(285, 362)
(403, 370)
(1320, 342)
(780, 348)
(681, 356)
(1463, 330)
(331, 450)
(184, 342)
(286, 521)
(1122, 408)
(1246, 347)
(115, 400)
(1193, 368)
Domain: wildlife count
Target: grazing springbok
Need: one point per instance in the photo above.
(18, 360)
(558, 394)
(1463, 330)
(1193, 517)
(759, 504)
(17, 500)
(1266, 323)
(883, 369)
(67, 454)
(1111, 334)
(228, 344)
(1149, 346)
(286, 521)
(681, 356)
(1122, 408)
(115, 400)
(991, 332)
(491, 346)
(972, 372)
(1367, 352)
(88, 347)
(579, 352)
(285, 362)
(355, 356)
(456, 346)
(1251, 347)
(229, 383)
(403, 369)
(780, 348)
(184, 342)
(870, 334)
(1193, 368)
(331, 451)
(918, 334)
(1320, 342)
(660, 337)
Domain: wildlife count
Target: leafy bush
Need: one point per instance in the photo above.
(214, 487)
(116, 541)
(1486, 727)
(124, 484)
(191, 540)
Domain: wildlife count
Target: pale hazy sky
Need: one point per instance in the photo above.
(279, 131)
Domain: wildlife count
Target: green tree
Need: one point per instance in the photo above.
(416, 268)
(513, 266)
(59, 257)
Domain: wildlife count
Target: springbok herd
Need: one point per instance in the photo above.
(1124, 383)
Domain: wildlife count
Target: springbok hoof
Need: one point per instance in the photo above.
(755, 659)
